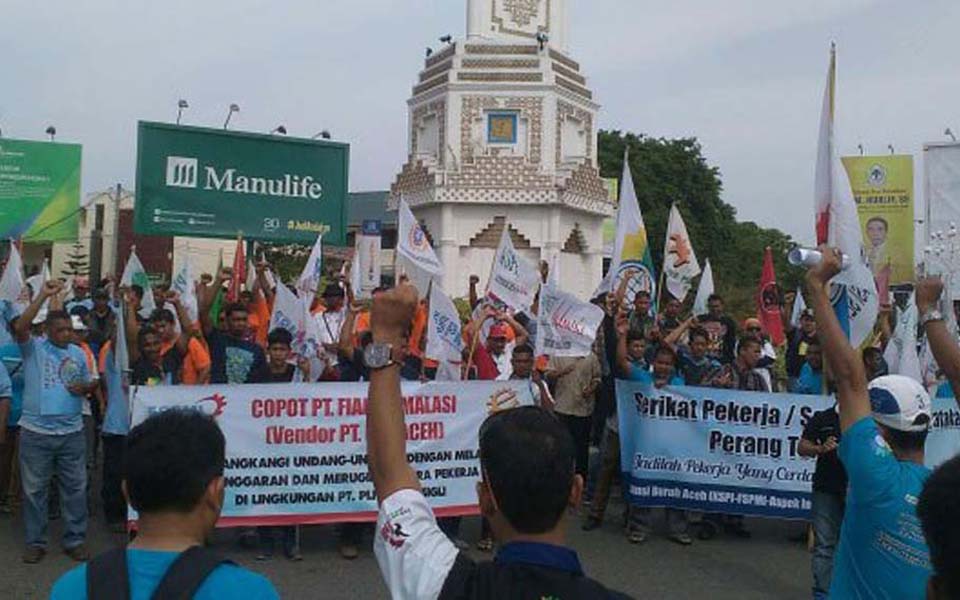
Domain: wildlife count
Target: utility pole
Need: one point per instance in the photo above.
(115, 241)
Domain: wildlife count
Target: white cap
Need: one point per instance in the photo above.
(41, 317)
(900, 403)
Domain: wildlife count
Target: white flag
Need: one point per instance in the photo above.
(631, 252)
(799, 305)
(36, 281)
(183, 285)
(135, 274)
(514, 279)
(251, 276)
(680, 264)
(413, 245)
(356, 277)
(309, 279)
(444, 331)
(565, 325)
(704, 290)
(12, 282)
(293, 314)
(855, 297)
(901, 353)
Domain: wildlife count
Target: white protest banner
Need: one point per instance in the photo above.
(413, 245)
(680, 264)
(444, 332)
(715, 450)
(565, 325)
(296, 453)
(943, 441)
(309, 279)
(135, 274)
(513, 279)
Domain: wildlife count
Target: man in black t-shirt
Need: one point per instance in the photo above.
(722, 330)
(233, 359)
(528, 485)
(821, 437)
(148, 366)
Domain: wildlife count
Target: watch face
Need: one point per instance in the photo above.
(376, 355)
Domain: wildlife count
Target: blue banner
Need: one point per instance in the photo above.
(715, 450)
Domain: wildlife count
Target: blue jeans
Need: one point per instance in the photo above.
(40, 457)
(827, 517)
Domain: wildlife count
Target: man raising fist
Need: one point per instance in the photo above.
(527, 461)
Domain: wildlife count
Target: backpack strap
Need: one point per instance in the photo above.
(187, 574)
(107, 577)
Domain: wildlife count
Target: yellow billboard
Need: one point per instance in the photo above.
(883, 190)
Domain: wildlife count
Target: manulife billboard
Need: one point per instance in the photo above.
(200, 182)
(39, 190)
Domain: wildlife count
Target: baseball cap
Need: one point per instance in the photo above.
(498, 330)
(900, 403)
(78, 324)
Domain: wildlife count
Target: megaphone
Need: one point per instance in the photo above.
(807, 257)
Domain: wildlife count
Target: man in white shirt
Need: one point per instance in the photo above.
(529, 483)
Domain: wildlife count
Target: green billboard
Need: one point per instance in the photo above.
(200, 182)
(39, 190)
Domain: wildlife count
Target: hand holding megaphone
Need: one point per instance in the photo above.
(806, 257)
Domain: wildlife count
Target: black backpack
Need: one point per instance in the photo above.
(108, 578)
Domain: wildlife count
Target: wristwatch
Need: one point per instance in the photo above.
(378, 356)
(930, 316)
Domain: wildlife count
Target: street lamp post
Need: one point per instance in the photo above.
(181, 104)
(233, 108)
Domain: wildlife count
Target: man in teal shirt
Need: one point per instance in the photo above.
(882, 553)
(174, 479)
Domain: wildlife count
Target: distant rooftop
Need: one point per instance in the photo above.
(362, 206)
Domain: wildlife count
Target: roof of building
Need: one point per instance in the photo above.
(363, 206)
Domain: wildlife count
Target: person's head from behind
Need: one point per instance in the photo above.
(901, 409)
(699, 342)
(938, 509)
(522, 361)
(527, 459)
(641, 303)
(246, 297)
(874, 363)
(279, 342)
(163, 322)
(150, 344)
(173, 467)
(815, 355)
(877, 229)
(636, 345)
(748, 352)
(715, 305)
(59, 328)
(235, 319)
(664, 363)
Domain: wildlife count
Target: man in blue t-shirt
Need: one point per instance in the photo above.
(56, 383)
(882, 553)
(174, 479)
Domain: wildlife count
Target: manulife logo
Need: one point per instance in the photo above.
(186, 172)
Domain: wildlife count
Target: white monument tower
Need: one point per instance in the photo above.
(503, 134)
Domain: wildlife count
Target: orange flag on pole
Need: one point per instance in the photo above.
(768, 301)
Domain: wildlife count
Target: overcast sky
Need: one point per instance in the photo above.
(745, 77)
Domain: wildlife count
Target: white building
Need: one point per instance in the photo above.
(502, 133)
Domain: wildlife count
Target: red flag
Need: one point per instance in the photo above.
(239, 273)
(768, 301)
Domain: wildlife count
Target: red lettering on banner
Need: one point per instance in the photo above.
(351, 407)
(270, 408)
(278, 434)
(432, 430)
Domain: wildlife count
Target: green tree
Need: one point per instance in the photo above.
(674, 170)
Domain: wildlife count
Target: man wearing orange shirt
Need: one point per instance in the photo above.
(196, 361)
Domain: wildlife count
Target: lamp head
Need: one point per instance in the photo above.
(181, 103)
(51, 130)
(234, 108)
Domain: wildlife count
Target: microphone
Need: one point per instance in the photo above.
(807, 257)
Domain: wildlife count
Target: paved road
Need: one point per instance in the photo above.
(767, 566)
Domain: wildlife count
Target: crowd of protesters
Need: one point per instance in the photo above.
(63, 399)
